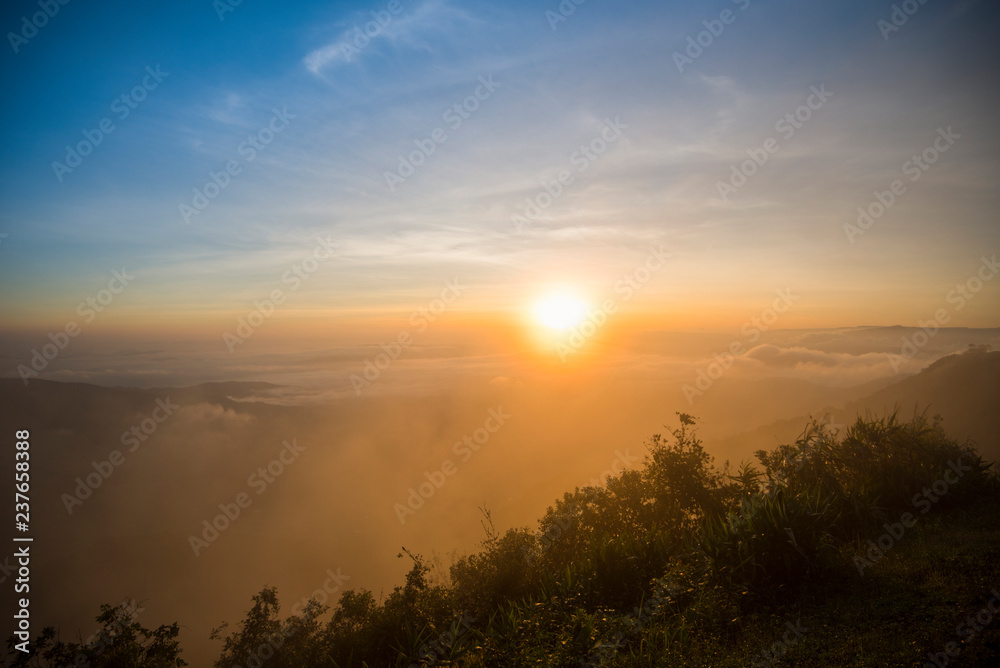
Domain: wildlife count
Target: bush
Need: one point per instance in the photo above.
(121, 643)
(634, 566)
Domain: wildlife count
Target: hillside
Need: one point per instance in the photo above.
(964, 389)
(133, 531)
(822, 556)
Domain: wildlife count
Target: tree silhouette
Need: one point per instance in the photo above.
(121, 643)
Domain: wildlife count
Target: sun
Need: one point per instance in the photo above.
(560, 311)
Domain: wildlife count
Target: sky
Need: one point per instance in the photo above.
(357, 201)
(360, 157)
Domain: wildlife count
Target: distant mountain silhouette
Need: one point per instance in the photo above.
(50, 402)
(131, 532)
(964, 389)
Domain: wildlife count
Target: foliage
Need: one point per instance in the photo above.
(262, 636)
(628, 570)
(666, 565)
(121, 642)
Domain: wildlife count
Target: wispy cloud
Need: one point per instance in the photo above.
(369, 30)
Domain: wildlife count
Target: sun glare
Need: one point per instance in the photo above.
(560, 311)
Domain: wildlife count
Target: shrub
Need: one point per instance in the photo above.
(634, 566)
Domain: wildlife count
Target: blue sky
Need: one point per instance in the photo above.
(324, 174)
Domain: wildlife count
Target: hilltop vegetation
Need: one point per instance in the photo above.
(848, 548)
(962, 388)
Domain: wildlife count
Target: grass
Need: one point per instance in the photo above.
(904, 607)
